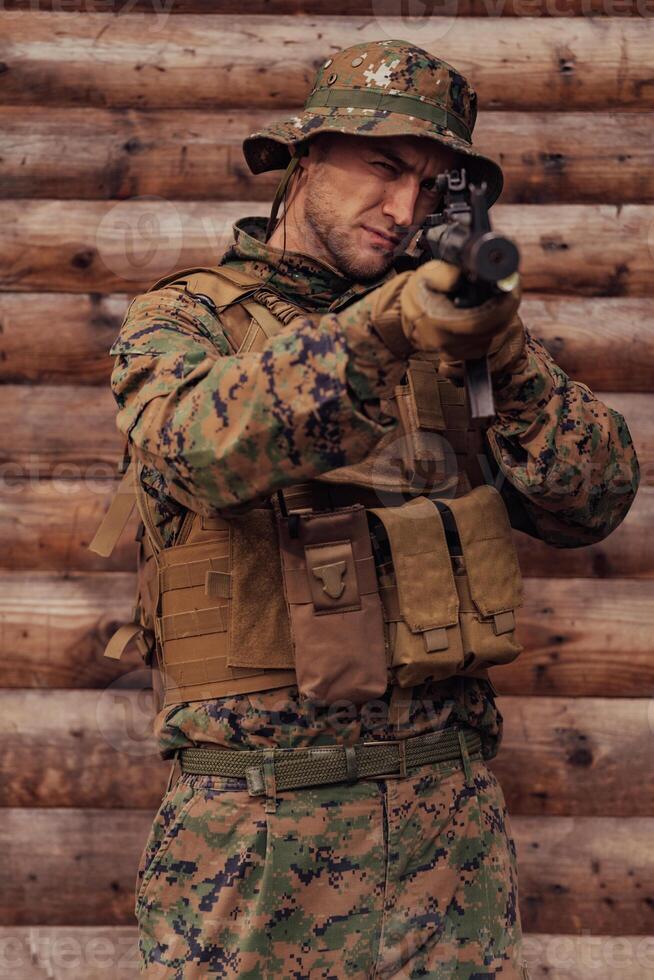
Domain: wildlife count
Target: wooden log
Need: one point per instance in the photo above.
(81, 748)
(608, 343)
(54, 627)
(560, 756)
(560, 618)
(351, 8)
(126, 246)
(232, 61)
(577, 873)
(626, 552)
(99, 952)
(63, 431)
(577, 756)
(547, 157)
(66, 866)
(591, 873)
(40, 441)
(78, 353)
(58, 519)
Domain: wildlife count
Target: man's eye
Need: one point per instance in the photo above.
(430, 186)
(386, 166)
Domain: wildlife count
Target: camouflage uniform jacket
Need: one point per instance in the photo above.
(216, 429)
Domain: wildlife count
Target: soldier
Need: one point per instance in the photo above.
(322, 613)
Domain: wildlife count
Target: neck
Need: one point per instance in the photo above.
(294, 233)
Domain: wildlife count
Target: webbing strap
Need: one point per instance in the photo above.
(115, 520)
(188, 575)
(121, 638)
(196, 622)
(426, 394)
(205, 670)
(399, 102)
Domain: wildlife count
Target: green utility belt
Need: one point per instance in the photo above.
(324, 764)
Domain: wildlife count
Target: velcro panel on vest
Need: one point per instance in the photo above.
(489, 552)
(427, 597)
(260, 633)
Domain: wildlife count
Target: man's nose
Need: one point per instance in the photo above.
(400, 202)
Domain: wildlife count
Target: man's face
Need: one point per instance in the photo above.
(365, 197)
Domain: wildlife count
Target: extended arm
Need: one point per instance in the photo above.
(225, 428)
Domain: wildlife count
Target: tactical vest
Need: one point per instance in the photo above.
(399, 568)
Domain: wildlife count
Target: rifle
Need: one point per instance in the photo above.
(461, 234)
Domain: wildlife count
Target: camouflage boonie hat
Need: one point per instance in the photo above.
(382, 88)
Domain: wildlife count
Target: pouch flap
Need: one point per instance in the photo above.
(332, 576)
(490, 556)
(427, 593)
(425, 395)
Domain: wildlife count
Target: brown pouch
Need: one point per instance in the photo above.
(331, 589)
(421, 602)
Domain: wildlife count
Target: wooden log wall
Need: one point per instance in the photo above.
(113, 110)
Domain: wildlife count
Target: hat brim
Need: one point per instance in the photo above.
(269, 148)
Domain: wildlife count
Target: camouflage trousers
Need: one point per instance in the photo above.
(400, 877)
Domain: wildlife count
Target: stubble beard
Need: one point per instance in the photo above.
(336, 238)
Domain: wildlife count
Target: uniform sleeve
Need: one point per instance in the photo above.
(225, 428)
(569, 457)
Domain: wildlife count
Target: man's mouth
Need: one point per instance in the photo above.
(382, 237)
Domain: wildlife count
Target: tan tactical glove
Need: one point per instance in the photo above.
(429, 321)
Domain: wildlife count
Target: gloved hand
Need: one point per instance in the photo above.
(431, 322)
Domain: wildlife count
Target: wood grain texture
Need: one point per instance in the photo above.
(48, 525)
(627, 552)
(58, 518)
(586, 757)
(54, 627)
(608, 343)
(359, 8)
(76, 353)
(576, 873)
(577, 756)
(235, 61)
(567, 157)
(66, 431)
(125, 246)
(104, 952)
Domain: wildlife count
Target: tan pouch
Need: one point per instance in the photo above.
(488, 578)
(421, 601)
(449, 605)
(336, 615)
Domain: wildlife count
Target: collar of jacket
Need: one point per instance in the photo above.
(312, 285)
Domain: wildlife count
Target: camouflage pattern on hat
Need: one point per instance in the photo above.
(382, 88)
